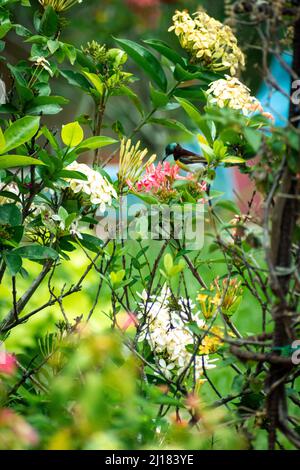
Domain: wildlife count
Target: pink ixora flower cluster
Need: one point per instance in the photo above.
(160, 177)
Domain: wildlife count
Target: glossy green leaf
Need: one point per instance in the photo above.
(166, 51)
(52, 45)
(124, 90)
(228, 205)
(2, 140)
(13, 262)
(171, 124)
(5, 27)
(20, 131)
(95, 81)
(72, 134)
(91, 242)
(193, 92)
(253, 137)
(49, 22)
(158, 98)
(196, 117)
(233, 159)
(36, 252)
(194, 73)
(146, 60)
(13, 161)
(76, 79)
(72, 174)
(10, 214)
(95, 142)
(147, 198)
(46, 105)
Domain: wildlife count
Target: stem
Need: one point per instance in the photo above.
(100, 110)
(283, 224)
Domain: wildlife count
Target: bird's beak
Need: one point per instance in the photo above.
(165, 157)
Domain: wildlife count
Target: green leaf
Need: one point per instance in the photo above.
(20, 131)
(72, 134)
(228, 205)
(10, 214)
(253, 137)
(72, 174)
(7, 109)
(165, 50)
(36, 252)
(237, 384)
(52, 140)
(94, 143)
(193, 326)
(171, 124)
(49, 22)
(13, 262)
(2, 140)
(193, 92)
(95, 81)
(194, 114)
(233, 160)
(117, 277)
(124, 90)
(70, 52)
(13, 161)
(158, 98)
(194, 73)
(76, 79)
(145, 197)
(146, 60)
(52, 45)
(91, 242)
(46, 105)
(10, 195)
(5, 27)
(85, 61)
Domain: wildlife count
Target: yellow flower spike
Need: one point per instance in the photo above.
(59, 5)
(131, 164)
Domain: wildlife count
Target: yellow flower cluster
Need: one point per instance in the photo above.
(212, 341)
(208, 41)
(225, 296)
(208, 303)
(230, 92)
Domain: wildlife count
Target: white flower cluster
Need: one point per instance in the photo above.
(231, 93)
(96, 187)
(165, 329)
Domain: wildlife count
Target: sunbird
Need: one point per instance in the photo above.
(185, 159)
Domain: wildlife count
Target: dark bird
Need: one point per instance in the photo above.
(185, 159)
